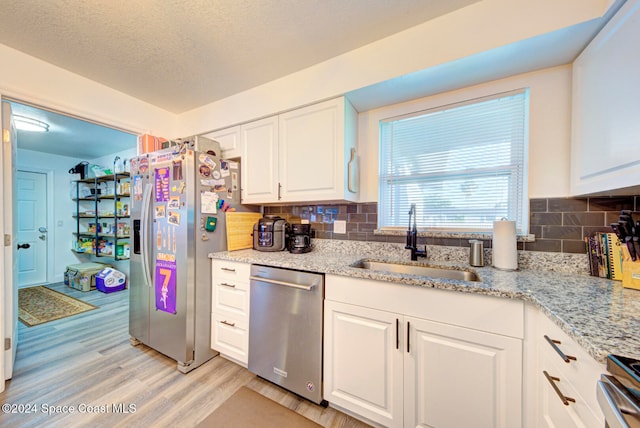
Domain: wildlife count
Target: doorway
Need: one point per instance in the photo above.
(34, 159)
(34, 212)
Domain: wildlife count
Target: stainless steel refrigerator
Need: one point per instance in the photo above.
(179, 197)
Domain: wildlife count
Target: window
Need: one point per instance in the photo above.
(463, 165)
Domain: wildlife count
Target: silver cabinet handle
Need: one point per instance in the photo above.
(554, 344)
(552, 380)
(230, 324)
(228, 285)
(284, 283)
(227, 269)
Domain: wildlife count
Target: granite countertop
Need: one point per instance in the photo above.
(599, 314)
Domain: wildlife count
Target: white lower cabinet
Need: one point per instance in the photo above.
(398, 370)
(363, 366)
(459, 377)
(566, 377)
(230, 310)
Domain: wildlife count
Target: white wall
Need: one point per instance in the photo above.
(63, 207)
(107, 161)
(26, 78)
(480, 27)
(549, 136)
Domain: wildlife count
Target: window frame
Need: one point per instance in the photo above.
(521, 203)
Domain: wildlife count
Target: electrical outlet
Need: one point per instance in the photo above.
(340, 226)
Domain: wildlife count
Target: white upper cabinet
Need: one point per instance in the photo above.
(304, 155)
(230, 141)
(314, 152)
(258, 171)
(606, 107)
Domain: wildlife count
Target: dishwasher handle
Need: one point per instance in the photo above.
(283, 283)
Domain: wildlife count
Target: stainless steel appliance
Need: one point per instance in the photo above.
(299, 238)
(270, 233)
(178, 200)
(619, 392)
(285, 329)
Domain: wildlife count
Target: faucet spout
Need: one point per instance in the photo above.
(412, 236)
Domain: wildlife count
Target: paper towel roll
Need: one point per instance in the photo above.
(505, 250)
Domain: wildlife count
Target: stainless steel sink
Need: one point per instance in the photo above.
(434, 272)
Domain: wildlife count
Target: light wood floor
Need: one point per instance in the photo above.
(87, 360)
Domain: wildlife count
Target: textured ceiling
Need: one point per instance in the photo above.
(182, 54)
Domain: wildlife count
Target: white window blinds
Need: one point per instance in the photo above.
(463, 165)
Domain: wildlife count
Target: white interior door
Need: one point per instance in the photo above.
(31, 199)
(8, 290)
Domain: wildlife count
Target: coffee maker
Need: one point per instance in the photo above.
(299, 238)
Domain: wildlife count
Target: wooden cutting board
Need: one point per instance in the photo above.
(239, 229)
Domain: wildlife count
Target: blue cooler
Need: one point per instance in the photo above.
(109, 280)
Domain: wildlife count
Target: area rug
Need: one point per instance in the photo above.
(37, 305)
(247, 408)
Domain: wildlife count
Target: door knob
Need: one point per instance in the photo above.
(25, 246)
(43, 237)
(42, 229)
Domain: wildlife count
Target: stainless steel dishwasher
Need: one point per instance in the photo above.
(285, 329)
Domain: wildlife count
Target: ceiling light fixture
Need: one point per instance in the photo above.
(25, 123)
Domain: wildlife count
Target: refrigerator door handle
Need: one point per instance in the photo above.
(144, 232)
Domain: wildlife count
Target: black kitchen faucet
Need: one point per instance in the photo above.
(412, 237)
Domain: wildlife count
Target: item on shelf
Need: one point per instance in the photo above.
(105, 248)
(85, 245)
(81, 169)
(124, 187)
(107, 188)
(122, 209)
(98, 171)
(83, 191)
(123, 229)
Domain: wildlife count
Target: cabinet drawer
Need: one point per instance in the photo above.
(582, 372)
(230, 297)
(230, 337)
(230, 270)
(580, 413)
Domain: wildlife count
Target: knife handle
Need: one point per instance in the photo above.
(636, 245)
(630, 247)
(616, 229)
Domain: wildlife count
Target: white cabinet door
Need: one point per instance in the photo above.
(363, 362)
(259, 179)
(605, 108)
(311, 152)
(459, 377)
(230, 140)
